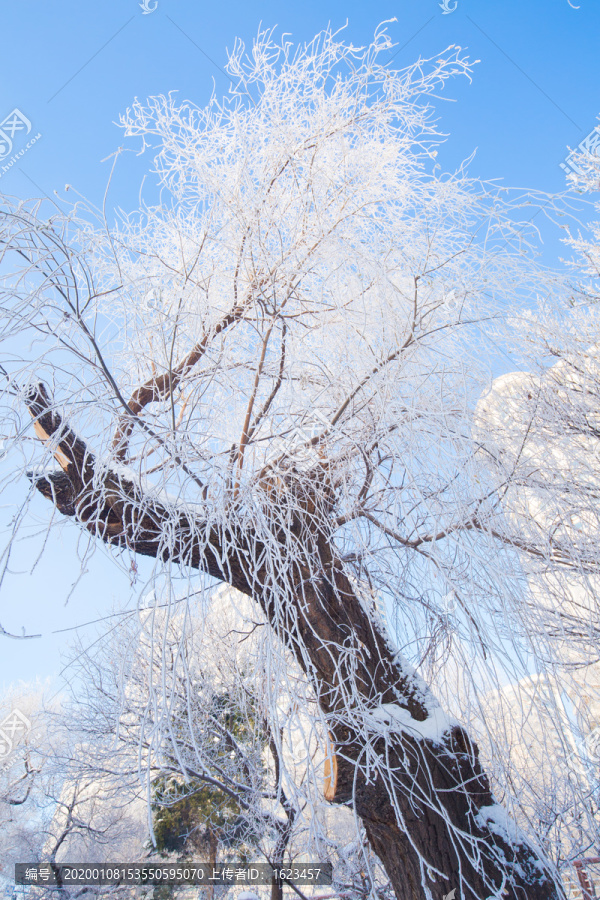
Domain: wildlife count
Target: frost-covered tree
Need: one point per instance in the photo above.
(267, 374)
(24, 777)
(188, 817)
(50, 800)
(218, 775)
(210, 776)
(539, 429)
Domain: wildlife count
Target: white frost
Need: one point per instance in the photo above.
(497, 820)
(394, 718)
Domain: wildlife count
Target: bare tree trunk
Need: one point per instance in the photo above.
(213, 845)
(424, 811)
(285, 832)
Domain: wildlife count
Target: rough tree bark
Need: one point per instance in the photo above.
(438, 788)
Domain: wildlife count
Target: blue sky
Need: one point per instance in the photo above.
(73, 67)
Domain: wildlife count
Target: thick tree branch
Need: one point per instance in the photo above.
(161, 387)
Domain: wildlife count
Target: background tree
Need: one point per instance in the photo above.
(188, 818)
(23, 777)
(269, 375)
(171, 711)
(49, 806)
(539, 430)
(197, 820)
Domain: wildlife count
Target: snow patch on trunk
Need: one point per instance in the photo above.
(390, 717)
(497, 820)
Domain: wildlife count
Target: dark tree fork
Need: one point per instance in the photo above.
(427, 816)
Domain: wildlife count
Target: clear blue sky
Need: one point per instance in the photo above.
(73, 67)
